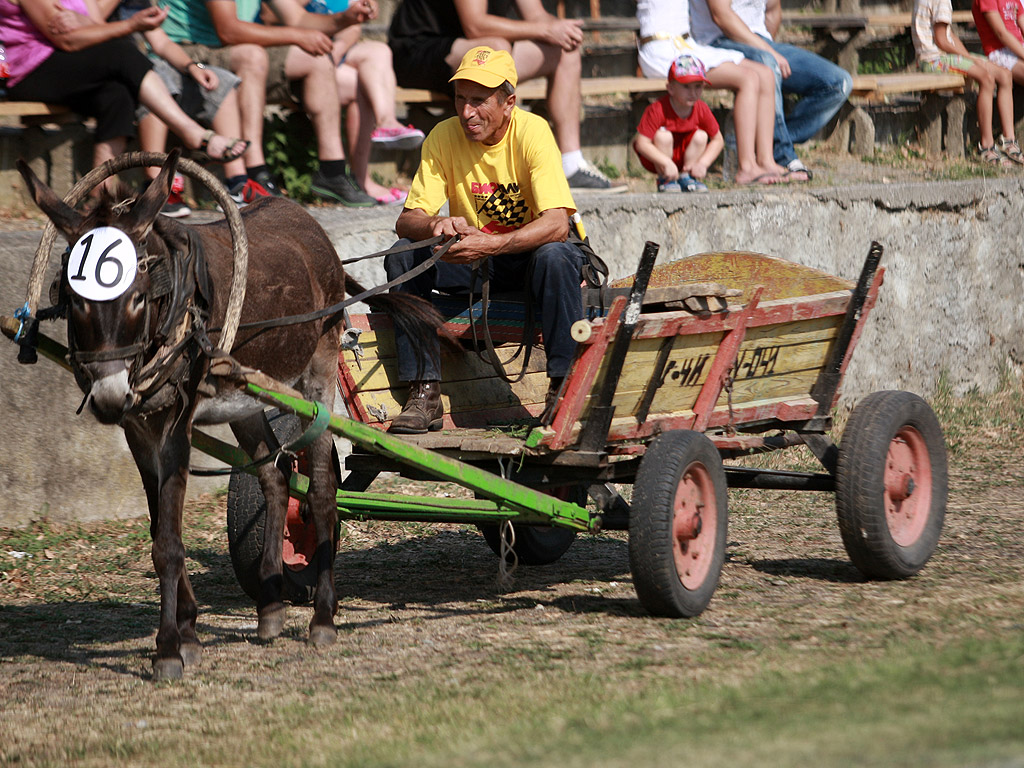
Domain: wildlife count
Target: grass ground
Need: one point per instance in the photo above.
(798, 659)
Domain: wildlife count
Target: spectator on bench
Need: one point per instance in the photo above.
(665, 34)
(272, 61)
(678, 137)
(749, 26)
(366, 89)
(93, 69)
(430, 37)
(208, 93)
(999, 27)
(938, 49)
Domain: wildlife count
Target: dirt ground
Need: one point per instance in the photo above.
(78, 607)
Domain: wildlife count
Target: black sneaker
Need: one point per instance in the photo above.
(267, 181)
(175, 207)
(589, 178)
(341, 189)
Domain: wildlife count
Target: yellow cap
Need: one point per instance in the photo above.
(488, 67)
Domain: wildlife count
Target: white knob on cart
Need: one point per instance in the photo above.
(581, 331)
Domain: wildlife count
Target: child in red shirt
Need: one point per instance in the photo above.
(678, 138)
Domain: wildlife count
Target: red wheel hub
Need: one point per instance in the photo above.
(694, 526)
(299, 536)
(908, 484)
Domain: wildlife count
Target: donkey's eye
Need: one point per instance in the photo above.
(138, 301)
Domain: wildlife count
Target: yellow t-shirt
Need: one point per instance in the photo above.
(496, 188)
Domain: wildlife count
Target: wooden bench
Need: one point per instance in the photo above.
(940, 95)
(847, 33)
(35, 112)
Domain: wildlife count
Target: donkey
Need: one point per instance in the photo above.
(139, 359)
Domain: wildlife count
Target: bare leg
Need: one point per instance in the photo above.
(250, 63)
(228, 122)
(359, 125)
(745, 85)
(319, 98)
(154, 94)
(764, 139)
(563, 70)
(152, 138)
(698, 143)
(103, 151)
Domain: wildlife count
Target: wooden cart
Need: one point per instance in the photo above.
(670, 380)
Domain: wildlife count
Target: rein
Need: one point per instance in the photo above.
(336, 309)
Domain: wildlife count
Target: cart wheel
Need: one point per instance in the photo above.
(677, 526)
(247, 514)
(891, 484)
(539, 544)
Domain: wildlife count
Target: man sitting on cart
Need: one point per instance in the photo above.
(500, 171)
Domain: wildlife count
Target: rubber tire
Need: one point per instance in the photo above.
(538, 544)
(670, 459)
(247, 514)
(861, 494)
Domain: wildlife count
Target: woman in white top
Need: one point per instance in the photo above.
(665, 34)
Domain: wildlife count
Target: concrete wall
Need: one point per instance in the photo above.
(950, 306)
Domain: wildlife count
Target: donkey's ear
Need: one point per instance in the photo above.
(152, 200)
(67, 220)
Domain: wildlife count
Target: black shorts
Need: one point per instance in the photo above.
(420, 62)
(101, 81)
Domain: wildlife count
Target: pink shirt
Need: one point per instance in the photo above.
(24, 45)
(1008, 10)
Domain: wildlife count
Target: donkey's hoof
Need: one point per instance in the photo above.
(168, 669)
(271, 623)
(191, 652)
(321, 635)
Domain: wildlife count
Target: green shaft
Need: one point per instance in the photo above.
(516, 499)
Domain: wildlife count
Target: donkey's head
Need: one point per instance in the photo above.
(108, 285)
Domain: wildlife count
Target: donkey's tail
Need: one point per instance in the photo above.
(414, 316)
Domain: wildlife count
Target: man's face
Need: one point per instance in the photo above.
(483, 112)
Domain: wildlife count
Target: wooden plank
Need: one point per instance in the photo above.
(860, 21)
(906, 82)
(31, 109)
(537, 89)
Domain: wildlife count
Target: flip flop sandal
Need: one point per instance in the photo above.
(235, 148)
(765, 179)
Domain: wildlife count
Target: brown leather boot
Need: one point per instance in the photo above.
(423, 410)
(551, 400)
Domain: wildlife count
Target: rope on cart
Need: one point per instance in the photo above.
(508, 560)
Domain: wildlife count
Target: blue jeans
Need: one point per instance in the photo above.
(822, 87)
(554, 273)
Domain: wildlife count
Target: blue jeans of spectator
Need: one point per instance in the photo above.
(822, 87)
(554, 282)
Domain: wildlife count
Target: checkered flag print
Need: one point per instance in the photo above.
(504, 209)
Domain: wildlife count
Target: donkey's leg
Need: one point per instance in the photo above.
(322, 500)
(319, 384)
(162, 458)
(257, 439)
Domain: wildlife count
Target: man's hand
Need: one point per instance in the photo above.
(359, 12)
(472, 244)
(147, 19)
(63, 20)
(567, 34)
(206, 77)
(313, 41)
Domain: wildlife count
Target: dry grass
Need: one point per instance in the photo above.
(798, 657)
